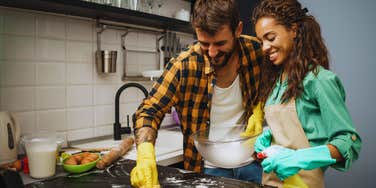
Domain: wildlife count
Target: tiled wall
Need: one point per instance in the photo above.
(48, 77)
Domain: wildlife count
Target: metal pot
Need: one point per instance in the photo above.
(106, 61)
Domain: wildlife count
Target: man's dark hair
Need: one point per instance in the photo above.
(211, 15)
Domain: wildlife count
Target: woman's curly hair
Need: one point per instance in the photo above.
(308, 51)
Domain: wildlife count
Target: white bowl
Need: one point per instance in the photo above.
(152, 74)
(182, 14)
(224, 147)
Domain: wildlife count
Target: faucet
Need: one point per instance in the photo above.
(118, 130)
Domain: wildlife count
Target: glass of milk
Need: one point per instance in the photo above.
(41, 148)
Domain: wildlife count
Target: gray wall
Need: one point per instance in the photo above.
(349, 28)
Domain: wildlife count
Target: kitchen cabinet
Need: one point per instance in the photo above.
(103, 12)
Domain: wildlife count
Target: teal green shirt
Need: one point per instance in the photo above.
(323, 114)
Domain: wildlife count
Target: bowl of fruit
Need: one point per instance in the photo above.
(80, 162)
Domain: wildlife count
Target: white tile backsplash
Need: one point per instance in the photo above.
(19, 23)
(80, 51)
(18, 47)
(79, 30)
(79, 73)
(50, 97)
(79, 95)
(80, 134)
(78, 118)
(147, 41)
(144, 62)
(50, 49)
(104, 130)
(48, 74)
(52, 120)
(27, 121)
(17, 74)
(112, 78)
(18, 98)
(51, 73)
(109, 36)
(51, 26)
(131, 40)
(104, 115)
(132, 63)
(133, 70)
(105, 94)
(139, 61)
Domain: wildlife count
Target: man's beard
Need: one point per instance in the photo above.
(215, 62)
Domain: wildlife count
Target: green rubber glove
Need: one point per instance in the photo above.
(289, 162)
(263, 141)
(145, 173)
(254, 125)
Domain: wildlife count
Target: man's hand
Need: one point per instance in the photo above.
(254, 126)
(145, 173)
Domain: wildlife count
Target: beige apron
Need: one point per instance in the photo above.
(288, 132)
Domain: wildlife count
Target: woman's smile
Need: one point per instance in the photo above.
(273, 56)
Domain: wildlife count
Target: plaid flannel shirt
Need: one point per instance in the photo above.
(187, 84)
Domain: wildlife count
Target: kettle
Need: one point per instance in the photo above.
(9, 137)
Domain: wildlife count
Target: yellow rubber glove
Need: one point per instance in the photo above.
(145, 173)
(294, 181)
(254, 126)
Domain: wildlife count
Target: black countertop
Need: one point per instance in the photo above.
(118, 176)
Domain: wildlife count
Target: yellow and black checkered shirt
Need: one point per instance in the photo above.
(187, 84)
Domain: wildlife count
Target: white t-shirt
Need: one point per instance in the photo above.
(227, 108)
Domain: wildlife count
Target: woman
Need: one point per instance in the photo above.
(304, 102)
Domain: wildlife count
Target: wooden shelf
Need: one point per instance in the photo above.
(99, 11)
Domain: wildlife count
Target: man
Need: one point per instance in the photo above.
(213, 81)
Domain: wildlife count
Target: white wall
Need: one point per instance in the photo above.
(48, 77)
(349, 29)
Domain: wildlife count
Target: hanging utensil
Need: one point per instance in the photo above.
(167, 48)
(124, 54)
(178, 45)
(169, 37)
(164, 47)
(160, 49)
(173, 42)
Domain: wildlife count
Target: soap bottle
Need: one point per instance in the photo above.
(294, 181)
